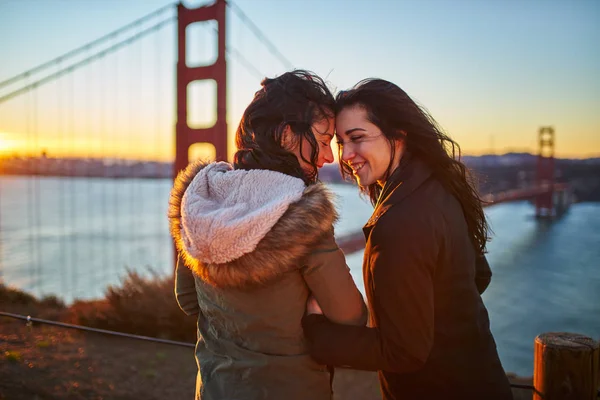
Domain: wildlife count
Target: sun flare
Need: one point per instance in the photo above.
(7, 145)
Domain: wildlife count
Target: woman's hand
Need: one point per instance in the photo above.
(312, 306)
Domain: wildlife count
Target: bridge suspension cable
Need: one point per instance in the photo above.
(231, 51)
(258, 33)
(87, 46)
(250, 67)
(88, 60)
(58, 60)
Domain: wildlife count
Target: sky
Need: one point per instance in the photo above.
(490, 72)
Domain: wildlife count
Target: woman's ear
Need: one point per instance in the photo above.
(400, 145)
(400, 142)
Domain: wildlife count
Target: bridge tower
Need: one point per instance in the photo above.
(544, 203)
(185, 136)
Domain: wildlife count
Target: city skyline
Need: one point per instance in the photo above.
(490, 73)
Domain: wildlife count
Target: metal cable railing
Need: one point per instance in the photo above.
(30, 319)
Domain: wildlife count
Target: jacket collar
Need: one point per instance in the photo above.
(408, 176)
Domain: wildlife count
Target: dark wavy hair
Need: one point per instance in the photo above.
(400, 118)
(296, 99)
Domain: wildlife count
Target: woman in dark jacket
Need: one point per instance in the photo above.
(255, 240)
(424, 266)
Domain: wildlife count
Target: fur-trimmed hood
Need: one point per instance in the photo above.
(238, 228)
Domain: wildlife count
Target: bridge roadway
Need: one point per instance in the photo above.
(353, 242)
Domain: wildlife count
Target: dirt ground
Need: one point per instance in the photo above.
(44, 362)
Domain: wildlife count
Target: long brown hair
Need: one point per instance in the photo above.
(395, 113)
(296, 99)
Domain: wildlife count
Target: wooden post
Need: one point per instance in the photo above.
(566, 366)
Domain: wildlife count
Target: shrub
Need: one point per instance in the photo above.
(10, 295)
(140, 305)
(52, 301)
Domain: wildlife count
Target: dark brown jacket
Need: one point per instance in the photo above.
(429, 334)
(250, 340)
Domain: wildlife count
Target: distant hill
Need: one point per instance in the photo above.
(111, 168)
(495, 173)
(330, 172)
(491, 160)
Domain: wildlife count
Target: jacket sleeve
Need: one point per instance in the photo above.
(401, 260)
(483, 273)
(329, 279)
(185, 289)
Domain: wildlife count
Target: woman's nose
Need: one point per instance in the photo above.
(328, 155)
(347, 153)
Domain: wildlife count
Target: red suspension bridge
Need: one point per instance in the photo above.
(99, 109)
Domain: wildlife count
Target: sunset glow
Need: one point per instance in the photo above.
(8, 145)
(490, 89)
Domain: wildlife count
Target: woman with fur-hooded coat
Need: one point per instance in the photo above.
(255, 240)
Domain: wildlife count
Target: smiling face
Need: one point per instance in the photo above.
(324, 132)
(364, 148)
